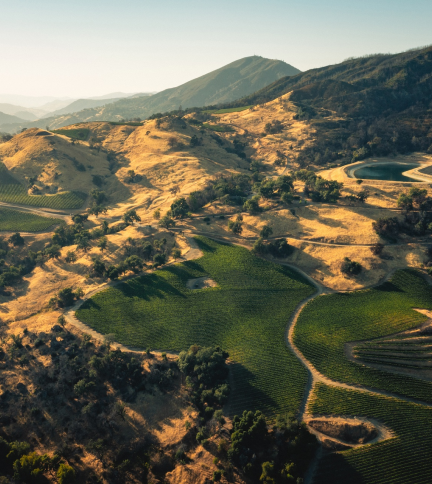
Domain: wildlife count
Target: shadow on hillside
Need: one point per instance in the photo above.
(149, 286)
(244, 394)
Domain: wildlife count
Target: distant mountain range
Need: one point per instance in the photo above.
(226, 84)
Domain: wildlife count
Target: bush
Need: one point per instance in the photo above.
(65, 474)
(280, 248)
(377, 248)
(387, 227)
(350, 267)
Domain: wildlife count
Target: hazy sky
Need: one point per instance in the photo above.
(93, 47)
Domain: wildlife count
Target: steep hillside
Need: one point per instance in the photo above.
(226, 84)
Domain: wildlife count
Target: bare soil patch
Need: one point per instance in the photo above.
(201, 283)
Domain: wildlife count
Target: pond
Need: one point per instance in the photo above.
(386, 171)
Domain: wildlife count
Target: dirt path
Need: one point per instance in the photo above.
(36, 211)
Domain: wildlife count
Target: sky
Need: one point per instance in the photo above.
(89, 48)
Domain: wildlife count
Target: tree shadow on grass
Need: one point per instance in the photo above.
(336, 469)
(244, 394)
(149, 286)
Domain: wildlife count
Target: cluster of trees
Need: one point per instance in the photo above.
(206, 373)
(66, 297)
(317, 188)
(278, 456)
(277, 248)
(274, 127)
(15, 261)
(416, 208)
(18, 462)
(92, 384)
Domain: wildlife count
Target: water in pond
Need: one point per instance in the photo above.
(387, 171)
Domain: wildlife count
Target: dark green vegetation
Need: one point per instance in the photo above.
(11, 191)
(400, 460)
(278, 457)
(15, 221)
(327, 323)
(246, 315)
(206, 373)
(78, 133)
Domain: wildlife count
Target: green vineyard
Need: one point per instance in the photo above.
(246, 314)
(327, 323)
(15, 221)
(12, 192)
(79, 133)
(399, 460)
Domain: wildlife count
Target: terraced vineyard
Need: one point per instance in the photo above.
(15, 221)
(246, 314)
(13, 192)
(409, 351)
(400, 460)
(328, 322)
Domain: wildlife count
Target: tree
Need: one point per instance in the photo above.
(53, 251)
(103, 242)
(65, 474)
(98, 267)
(16, 239)
(266, 232)
(157, 214)
(176, 253)
(252, 205)
(377, 248)
(195, 141)
(66, 297)
(96, 210)
(179, 208)
(236, 226)
(134, 263)
(83, 244)
(131, 216)
(387, 227)
(71, 257)
(259, 247)
(166, 222)
(350, 267)
(159, 259)
(113, 273)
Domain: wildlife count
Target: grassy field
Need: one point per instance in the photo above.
(13, 192)
(328, 322)
(404, 459)
(79, 133)
(246, 314)
(15, 221)
(228, 110)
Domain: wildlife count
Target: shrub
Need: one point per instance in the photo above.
(377, 248)
(65, 474)
(280, 248)
(266, 232)
(387, 227)
(350, 267)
